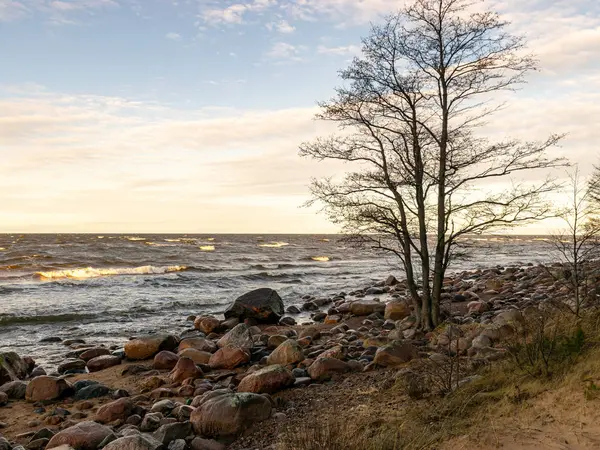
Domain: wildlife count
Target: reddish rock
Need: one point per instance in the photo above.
(478, 307)
(83, 436)
(275, 341)
(46, 388)
(395, 354)
(103, 362)
(184, 369)
(148, 346)
(324, 368)
(94, 353)
(288, 352)
(165, 360)
(12, 367)
(333, 319)
(397, 310)
(229, 358)
(202, 344)
(267, 380)
(312, 332)
(207, 324)
(199, 357)
(120, 409)
(240, 336)
(336, 352)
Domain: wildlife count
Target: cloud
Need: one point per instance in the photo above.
(283, 26)
(56, 11)
(353, 50)
(173, 36)
(285, 52)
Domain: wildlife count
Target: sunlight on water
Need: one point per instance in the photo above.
(274, 245)
(207, 248)
(320, 258)
(90, 272)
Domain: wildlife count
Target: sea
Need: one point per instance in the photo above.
(107, 288)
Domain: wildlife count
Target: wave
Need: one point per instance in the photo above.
(320, 258)
(274, 245)
(207, 248)
(6, 320)
(135, 238)
(91, 272)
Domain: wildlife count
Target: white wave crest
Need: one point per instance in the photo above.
(320, 258)
(91, 272)
(274, 245)
(207, 248)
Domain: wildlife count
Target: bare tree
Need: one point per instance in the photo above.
(577, 243)
(408, 112)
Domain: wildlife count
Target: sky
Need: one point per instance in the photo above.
(185, 116)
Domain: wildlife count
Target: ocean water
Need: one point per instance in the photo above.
(105, 288)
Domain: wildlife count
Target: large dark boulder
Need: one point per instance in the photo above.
(263, 305)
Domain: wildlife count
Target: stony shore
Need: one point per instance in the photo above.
(235, 383)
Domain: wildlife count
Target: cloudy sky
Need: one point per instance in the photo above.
(186, 115)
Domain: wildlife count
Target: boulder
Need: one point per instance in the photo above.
(165, 360)
(3, 398)
(94, 353)
(267, 380)
(148, 346)
(12, 367)
(207, 324)
(202, 344)
(120, 409)
(366, 307)
(289, 352)
(69, 365)
(324, 368)
(15, 390)
(229, 358)
(275, 341)
(477, 307)
(96, 390)
(184, 369)
(239, 336)
(198, 356)
(83, 436)
(172, 432)
(481, 341)
(103, 362)
(222, 413)
(46, 388)
(199, 443)
(135, 442)
(263, 305)
(397, 310)
(395, 353)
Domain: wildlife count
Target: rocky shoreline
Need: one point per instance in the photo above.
(211, 386)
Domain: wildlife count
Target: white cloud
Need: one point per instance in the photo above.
(284, 51)
(57, 11)
(283, 26)
(173, 36)
(353, 50)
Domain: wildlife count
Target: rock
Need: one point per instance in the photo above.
(267, 380)
(206, 444)
(3, 398)
(92, 391)
(337, 352)
(148, 346)
(172, 432)
(481, 341)
(38, 444)
(289, 352)
(311, 332)
(37, 372)
(165, 360)
(293, 310)
(263, 305)
(323, 368)
(287, 321)
(477, 307)
(397, 310)
(207, 324)
(4, 444)
(333, 319)
(510, 317)
(71, 365)
(391, 281)
(199, 357)
(229, 358)
(178, 444)
(395, 353)
(83, 436)
(164, 407)
(184, 369)
(12, 367)
(239, 337)
(366, 307)
(202, 344)
(135, 442)
(222, 413)
(94, 353)
(15, 390)
(275, 341)
(103, 362)
(120, 409)
(46, 388)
